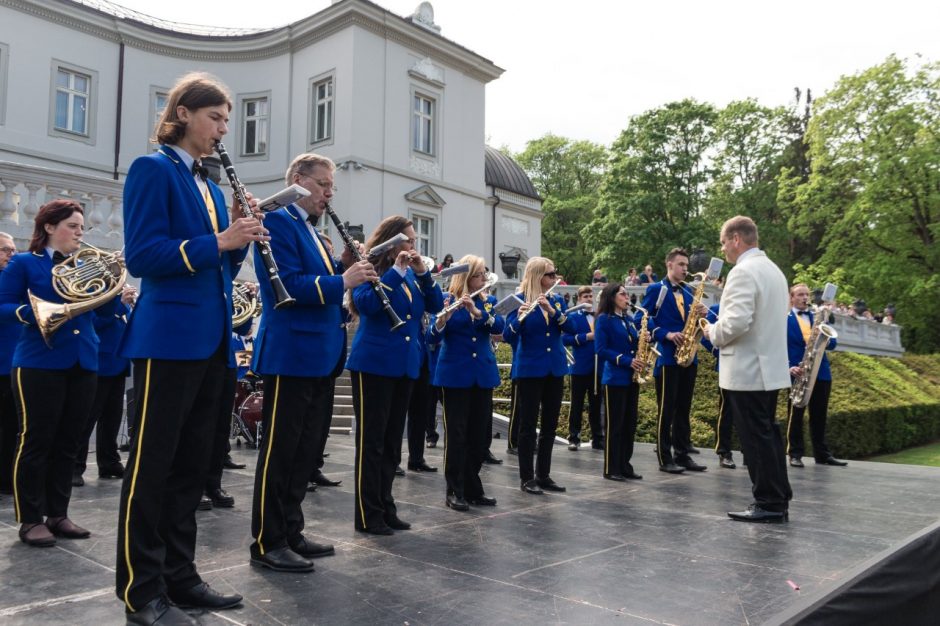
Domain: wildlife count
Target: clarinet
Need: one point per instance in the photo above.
(281, 297)
(376, 286)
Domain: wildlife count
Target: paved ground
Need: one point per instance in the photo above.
(656, 551)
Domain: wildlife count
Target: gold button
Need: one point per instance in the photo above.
(407, 338)
(474, 355)
(548, 349)
(342, 325)
(548, 334)
(76, 331)
(473, 339)
(408, 317)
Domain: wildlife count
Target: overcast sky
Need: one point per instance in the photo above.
(582, 68)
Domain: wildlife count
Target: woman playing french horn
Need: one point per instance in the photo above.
(466, 372)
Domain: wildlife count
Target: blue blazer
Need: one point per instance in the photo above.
(539, 351)
(305, 339)
(10, 332)
(378, 350)
(796, 346)
(666, 319)
(110, 329)
(466, 356)
(74, 342)
(582, 347)
(184, 310)
(615, 341)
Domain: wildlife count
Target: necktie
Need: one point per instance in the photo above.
(203, 173)
(805, 327)
(327, 261)
(58, 257)
(680, 300)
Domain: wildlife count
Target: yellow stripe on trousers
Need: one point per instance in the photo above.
(269, 433)
(362, 450)
(721, 414)
(19, 453)
(130, 496)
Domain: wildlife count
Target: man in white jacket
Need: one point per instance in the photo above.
(751, 335)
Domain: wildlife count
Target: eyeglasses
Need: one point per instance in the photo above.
(323, 184)
(8, 250)
(550, 274)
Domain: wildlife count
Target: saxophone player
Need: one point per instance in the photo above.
(669, 304)
(799, 326)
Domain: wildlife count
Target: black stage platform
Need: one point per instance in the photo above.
(659, 551)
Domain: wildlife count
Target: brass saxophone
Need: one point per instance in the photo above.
(685, 354)
(646, 352)
(819, 336)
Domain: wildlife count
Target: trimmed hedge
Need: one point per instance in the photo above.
(878, 404)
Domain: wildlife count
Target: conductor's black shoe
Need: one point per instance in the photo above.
(202, 596)
(490, 459)
(483, 501)
(550, 485)
(324, 481)
(114, 471)
(726, 461)
(310, 549)
(618, 477)
(159, 612)
(755, 513)
(690, 465)
(421, 466)
(77, 480)
(796, 461)
(205, 504)
(395, 523)
(281, 560)
(456, 502)
(221, 499)
(376, 530)
(692, 450)
(228, 463)
(831, 460)
(531, 486)
(671, 468)
(399, 471)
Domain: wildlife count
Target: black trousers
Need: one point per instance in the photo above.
(674, 388)
(106, 412)
(419, 416)
(581, 385)
(433, 399)
(294, 408)
(52, 406)
(532, 395)
(467, 416)
(8, 430)
(724, 428)
(753, 413)
(512, 434)
(324, 422)
(222, 432)
(818, 414)
(177, 407)
(380, 403)
(622, 403)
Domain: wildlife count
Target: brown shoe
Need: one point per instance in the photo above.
(36, 535)
(64, 527)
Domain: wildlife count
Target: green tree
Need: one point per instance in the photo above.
(567, 174)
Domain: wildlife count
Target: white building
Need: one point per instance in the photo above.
(397, 106)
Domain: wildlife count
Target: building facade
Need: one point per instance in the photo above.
(397, 106)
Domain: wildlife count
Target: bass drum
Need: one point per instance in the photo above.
(246, 420)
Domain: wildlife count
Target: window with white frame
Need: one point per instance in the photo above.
(422, 139)
(424, 227)
(321, 122)
(72, 101)
(255, 115)
(158, 100)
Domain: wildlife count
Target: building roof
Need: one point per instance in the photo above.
(501, 171)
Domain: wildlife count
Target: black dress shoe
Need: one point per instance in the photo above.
(322, 480)
(309, 549)
(456, 502)
(550, 485)
(531, 486)
(37, 535)
(671, 468)
(692, 450)
(77, 480)
(489, 459)
(831, 461)
(633, 476)
(376, 530)
(690, 465)
(618, 477)
(796, 461)
(115, 471)
(421, 466)
(159, 612)
(281, 560)
(483, 501)
(512, 451)
(755, 513)
(64, 527)
(726, 461)
(202, 596)
(221, 499)
(205, 504)
(228, 463)
(597, 445)
(311, 487)
(399, 471)
(395, 523)
(432, 443)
